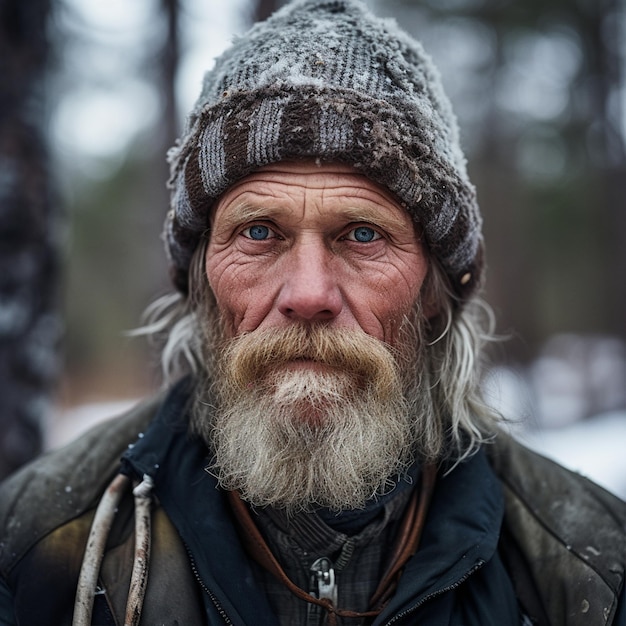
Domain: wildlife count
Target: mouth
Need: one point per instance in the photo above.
(300, 364)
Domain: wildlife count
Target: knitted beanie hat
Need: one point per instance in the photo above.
(327, 80)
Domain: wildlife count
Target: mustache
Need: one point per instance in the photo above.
(250, 356)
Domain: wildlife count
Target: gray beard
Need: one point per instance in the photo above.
(304, 438)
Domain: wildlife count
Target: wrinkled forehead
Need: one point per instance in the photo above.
(333, 180)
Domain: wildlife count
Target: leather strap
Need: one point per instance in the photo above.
(409, 537)
(406, 545)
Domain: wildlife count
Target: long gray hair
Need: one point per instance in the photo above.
(460, 421)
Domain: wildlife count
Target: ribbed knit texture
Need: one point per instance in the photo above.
(325, 79)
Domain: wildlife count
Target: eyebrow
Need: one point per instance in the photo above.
(380, 217)
(245, 212)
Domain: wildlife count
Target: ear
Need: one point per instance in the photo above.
(431, 294)
(431, 310)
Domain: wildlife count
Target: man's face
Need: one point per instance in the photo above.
(316, 273)
(297, 242)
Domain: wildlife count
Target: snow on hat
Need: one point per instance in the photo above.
(326, 79)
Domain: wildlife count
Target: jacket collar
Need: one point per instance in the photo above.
(461, 533)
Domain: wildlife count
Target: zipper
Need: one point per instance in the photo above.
(215, 601)
(323, 583)
(434, 594)
(323, 586)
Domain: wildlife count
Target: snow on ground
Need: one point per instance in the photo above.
(569, 405)
(66, 425)
(594, 447)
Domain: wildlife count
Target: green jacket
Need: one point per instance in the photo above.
(563, 541)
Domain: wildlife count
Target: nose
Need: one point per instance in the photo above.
(310, 291)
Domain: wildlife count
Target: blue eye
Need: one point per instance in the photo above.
(363, 234)
(257, 232)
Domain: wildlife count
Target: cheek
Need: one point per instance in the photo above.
(396, 297)
(220, 274)
(242, 296)
(227, 288)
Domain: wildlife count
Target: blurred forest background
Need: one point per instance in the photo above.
(92, 94)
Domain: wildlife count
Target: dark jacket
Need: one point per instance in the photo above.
(563, 539)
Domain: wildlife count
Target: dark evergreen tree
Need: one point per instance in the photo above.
(29, 322)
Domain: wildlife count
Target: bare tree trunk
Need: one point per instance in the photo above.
(29, 323)
(170, 58)
(500, 193)
(162, 64)
(608, 60)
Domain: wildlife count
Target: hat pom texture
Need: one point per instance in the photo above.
(326, 79)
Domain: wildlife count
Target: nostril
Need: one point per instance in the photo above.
(309, 313)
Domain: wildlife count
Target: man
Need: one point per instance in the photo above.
(326, 457)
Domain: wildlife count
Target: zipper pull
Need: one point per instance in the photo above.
(323, 580)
